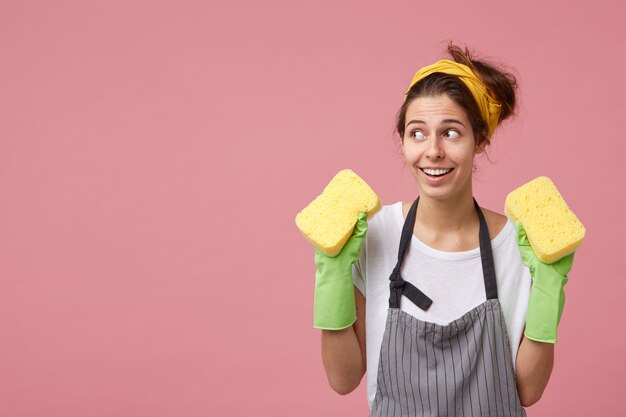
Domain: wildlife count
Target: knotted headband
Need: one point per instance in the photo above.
(489, 106)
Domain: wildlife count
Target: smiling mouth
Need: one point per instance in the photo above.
(436, 172)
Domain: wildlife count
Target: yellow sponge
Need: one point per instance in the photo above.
(553, 230)
(329, 220)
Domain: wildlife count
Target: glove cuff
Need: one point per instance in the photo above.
(334, 307)
(545, 307)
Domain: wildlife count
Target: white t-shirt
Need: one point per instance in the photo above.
(453, 280)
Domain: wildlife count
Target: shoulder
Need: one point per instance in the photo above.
(385, 224)
(405, 209)
(495, 221)
(388, 213)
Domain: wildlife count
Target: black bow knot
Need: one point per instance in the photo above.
(396, 282)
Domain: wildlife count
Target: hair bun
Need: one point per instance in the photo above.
(502, 84)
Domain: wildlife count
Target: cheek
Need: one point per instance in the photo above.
(406, 152)
(410, 152)
(464, 157)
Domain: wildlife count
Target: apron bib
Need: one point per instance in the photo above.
(464, 368)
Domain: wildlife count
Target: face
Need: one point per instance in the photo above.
(439, 147)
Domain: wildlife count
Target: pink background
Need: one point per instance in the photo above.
(153, 156)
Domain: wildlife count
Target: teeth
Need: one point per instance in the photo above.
(436, 171)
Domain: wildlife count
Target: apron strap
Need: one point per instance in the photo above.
(398, 286)
(486, 257)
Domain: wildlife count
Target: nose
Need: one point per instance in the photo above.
(434, 150)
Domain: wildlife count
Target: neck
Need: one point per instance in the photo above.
(447, 216)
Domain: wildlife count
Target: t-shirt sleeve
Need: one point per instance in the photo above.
(513, 290)
(518, 315)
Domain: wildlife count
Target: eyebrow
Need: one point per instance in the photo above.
(417, 121)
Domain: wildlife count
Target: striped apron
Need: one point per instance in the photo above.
(464, 368)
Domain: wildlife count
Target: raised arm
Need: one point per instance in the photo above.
(535, 357)
(339, 311)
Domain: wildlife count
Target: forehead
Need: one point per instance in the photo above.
(433, 108)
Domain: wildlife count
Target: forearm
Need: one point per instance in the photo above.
(533, 368)
(343, 359)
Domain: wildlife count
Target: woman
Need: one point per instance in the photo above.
(436, 301)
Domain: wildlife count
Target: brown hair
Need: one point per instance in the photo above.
(501, 84)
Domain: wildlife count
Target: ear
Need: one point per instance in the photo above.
(478, 149)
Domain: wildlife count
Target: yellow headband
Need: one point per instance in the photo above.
(487, 103)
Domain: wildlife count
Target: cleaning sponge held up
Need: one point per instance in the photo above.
(553, 230)
(328, 221)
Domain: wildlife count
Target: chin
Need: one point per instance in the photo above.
(438, 193)
(439, 196)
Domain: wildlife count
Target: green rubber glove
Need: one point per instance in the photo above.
(547, 297)
(334, 307)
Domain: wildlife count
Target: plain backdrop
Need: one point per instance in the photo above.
(154, 155)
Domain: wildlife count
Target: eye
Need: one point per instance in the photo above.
(417, 134)
(452, 133)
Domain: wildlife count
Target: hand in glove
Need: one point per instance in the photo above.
(334, 306)
(547, 297)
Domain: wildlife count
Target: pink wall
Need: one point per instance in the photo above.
(153, 156)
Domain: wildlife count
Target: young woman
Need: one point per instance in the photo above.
(442, 301)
